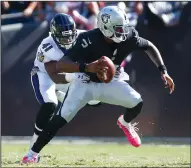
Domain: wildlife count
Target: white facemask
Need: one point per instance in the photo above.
(116, 40)
(66, 46)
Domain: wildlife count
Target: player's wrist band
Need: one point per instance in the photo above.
(162, 68)
(82, 67)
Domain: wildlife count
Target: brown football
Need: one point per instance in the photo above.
(107, 76)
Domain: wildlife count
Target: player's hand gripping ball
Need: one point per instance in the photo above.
(106, 69)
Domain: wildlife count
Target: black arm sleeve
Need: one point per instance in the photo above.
(156, 57)
(140, 43)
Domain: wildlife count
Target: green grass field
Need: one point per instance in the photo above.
(101, 155)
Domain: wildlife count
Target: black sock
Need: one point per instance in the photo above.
(132, 113)
(48, 133)
(45, 113)
(37, 132)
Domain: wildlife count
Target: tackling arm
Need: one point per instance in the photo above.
(57, 78)
(75, 59)
(69, 66)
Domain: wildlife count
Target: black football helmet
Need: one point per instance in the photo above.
(63, 29)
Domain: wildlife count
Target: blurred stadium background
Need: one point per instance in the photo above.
(167, 24)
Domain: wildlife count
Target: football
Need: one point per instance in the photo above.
(109, 72)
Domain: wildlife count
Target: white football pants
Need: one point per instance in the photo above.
(117, 92)
(45, 89)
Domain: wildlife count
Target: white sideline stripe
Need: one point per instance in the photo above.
(98, 140)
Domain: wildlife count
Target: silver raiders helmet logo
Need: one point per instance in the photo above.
(105, 18)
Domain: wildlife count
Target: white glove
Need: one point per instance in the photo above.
(73, 76)
(70, 77)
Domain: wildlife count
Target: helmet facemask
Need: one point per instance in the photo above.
(67, 38)
(119, 33)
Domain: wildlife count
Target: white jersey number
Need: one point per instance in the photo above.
(46, 47)
(85, 43)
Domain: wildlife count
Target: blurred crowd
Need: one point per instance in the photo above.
(84, 13)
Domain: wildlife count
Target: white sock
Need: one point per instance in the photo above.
(124, 122)
(31, 153)
(35, 136)
(33, 140)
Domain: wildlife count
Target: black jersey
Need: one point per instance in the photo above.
(91, 45)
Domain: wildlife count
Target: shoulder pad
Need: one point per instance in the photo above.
(48, 51)
(135, 33)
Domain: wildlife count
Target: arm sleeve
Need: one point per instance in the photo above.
(140, 43)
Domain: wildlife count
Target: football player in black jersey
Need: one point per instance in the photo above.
(115, 39)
